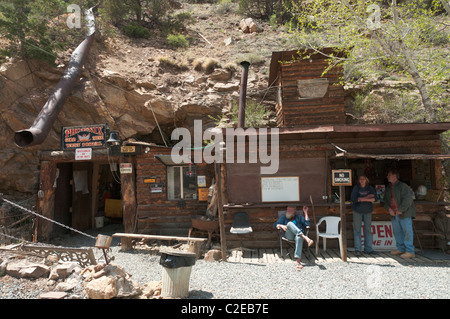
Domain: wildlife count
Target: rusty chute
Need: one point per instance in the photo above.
(37, 133)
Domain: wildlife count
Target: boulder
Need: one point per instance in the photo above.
(226, 87)
(101, 288)
(110, 281)
(26, 269)
(152, 289)
(213, 255)
(249, 26)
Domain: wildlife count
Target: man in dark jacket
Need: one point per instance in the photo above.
(399, 202)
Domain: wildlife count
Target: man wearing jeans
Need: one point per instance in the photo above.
(294, 226)
(362, 197)
(398, 201)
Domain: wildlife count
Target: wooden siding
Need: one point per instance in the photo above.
(291, 109)
(304, 154)
(156, 214)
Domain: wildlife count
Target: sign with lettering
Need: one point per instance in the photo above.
(156, 188)
(382, 235)
(117, 150)
(89, 136)
(126, 168)
(280, 189)
(203, 194)
(83, 154)
(341, 177)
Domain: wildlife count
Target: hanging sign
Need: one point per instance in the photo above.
(83, 154)
(126, 168)
(93, 136)
(341, 177)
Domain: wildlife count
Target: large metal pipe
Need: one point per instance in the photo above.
(243, 94)
(43, 123)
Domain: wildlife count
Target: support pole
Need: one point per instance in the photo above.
(223, 243)
(343, 224)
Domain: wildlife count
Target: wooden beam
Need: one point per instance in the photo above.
(128, 183)
(47, 202)
(343, 223)
(223, 244)
(395, 156)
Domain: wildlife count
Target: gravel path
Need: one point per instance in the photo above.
(227, 280)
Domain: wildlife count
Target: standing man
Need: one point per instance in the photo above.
(362, 197)
(398, 201)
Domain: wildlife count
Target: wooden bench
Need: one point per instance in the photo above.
(126, 240)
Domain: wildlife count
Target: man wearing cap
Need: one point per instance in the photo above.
(294, 225)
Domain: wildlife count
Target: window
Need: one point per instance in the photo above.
(181, 182)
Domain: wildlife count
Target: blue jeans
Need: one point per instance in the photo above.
(403, 233)
(358, 219)
(293, 233)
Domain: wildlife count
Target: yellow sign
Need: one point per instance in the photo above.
(203, 194)
(149, 180)
(128, 149)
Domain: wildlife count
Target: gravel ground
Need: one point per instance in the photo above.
(226, 280)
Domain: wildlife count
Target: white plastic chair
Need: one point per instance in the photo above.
(331, 231)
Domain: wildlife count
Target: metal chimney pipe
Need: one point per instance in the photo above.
(243, 94)
(43, 123)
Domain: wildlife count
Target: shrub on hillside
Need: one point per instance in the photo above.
(135, 30)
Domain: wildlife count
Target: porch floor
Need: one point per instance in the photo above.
(266, 256)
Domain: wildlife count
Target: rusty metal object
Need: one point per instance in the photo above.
(43, 123)
(84, 257)
(243, 94)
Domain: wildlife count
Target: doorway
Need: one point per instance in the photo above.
(86, 192)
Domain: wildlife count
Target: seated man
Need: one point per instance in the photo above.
(294, 226)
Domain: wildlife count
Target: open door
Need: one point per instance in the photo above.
(82, 196)
(63, 198)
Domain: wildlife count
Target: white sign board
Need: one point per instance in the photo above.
(82, 154)
(382, 235)
(280, 189)
(126, 168)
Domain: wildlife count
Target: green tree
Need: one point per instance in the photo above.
(33, 28)
(375, 34)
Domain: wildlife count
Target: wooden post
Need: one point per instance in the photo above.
(223, 244)
(94, 203)
(343, 223)
(47, 203)
(128, 182)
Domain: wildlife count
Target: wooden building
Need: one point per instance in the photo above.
(155, 196)
(314, 140)
(310, 153)
(160, 197)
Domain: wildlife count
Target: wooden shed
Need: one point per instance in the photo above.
(307, 96)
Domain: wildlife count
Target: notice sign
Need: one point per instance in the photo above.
(342, 177)
(83, 136)
(280, 189)
(382, 235)
(83, 154)
(126, 168)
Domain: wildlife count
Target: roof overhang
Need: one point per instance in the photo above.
(398, 157)
(348, 131)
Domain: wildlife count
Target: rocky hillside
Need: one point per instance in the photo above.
(137, 84)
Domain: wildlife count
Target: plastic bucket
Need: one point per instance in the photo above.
(99, 222)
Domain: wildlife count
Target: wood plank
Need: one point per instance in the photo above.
(158, 237)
